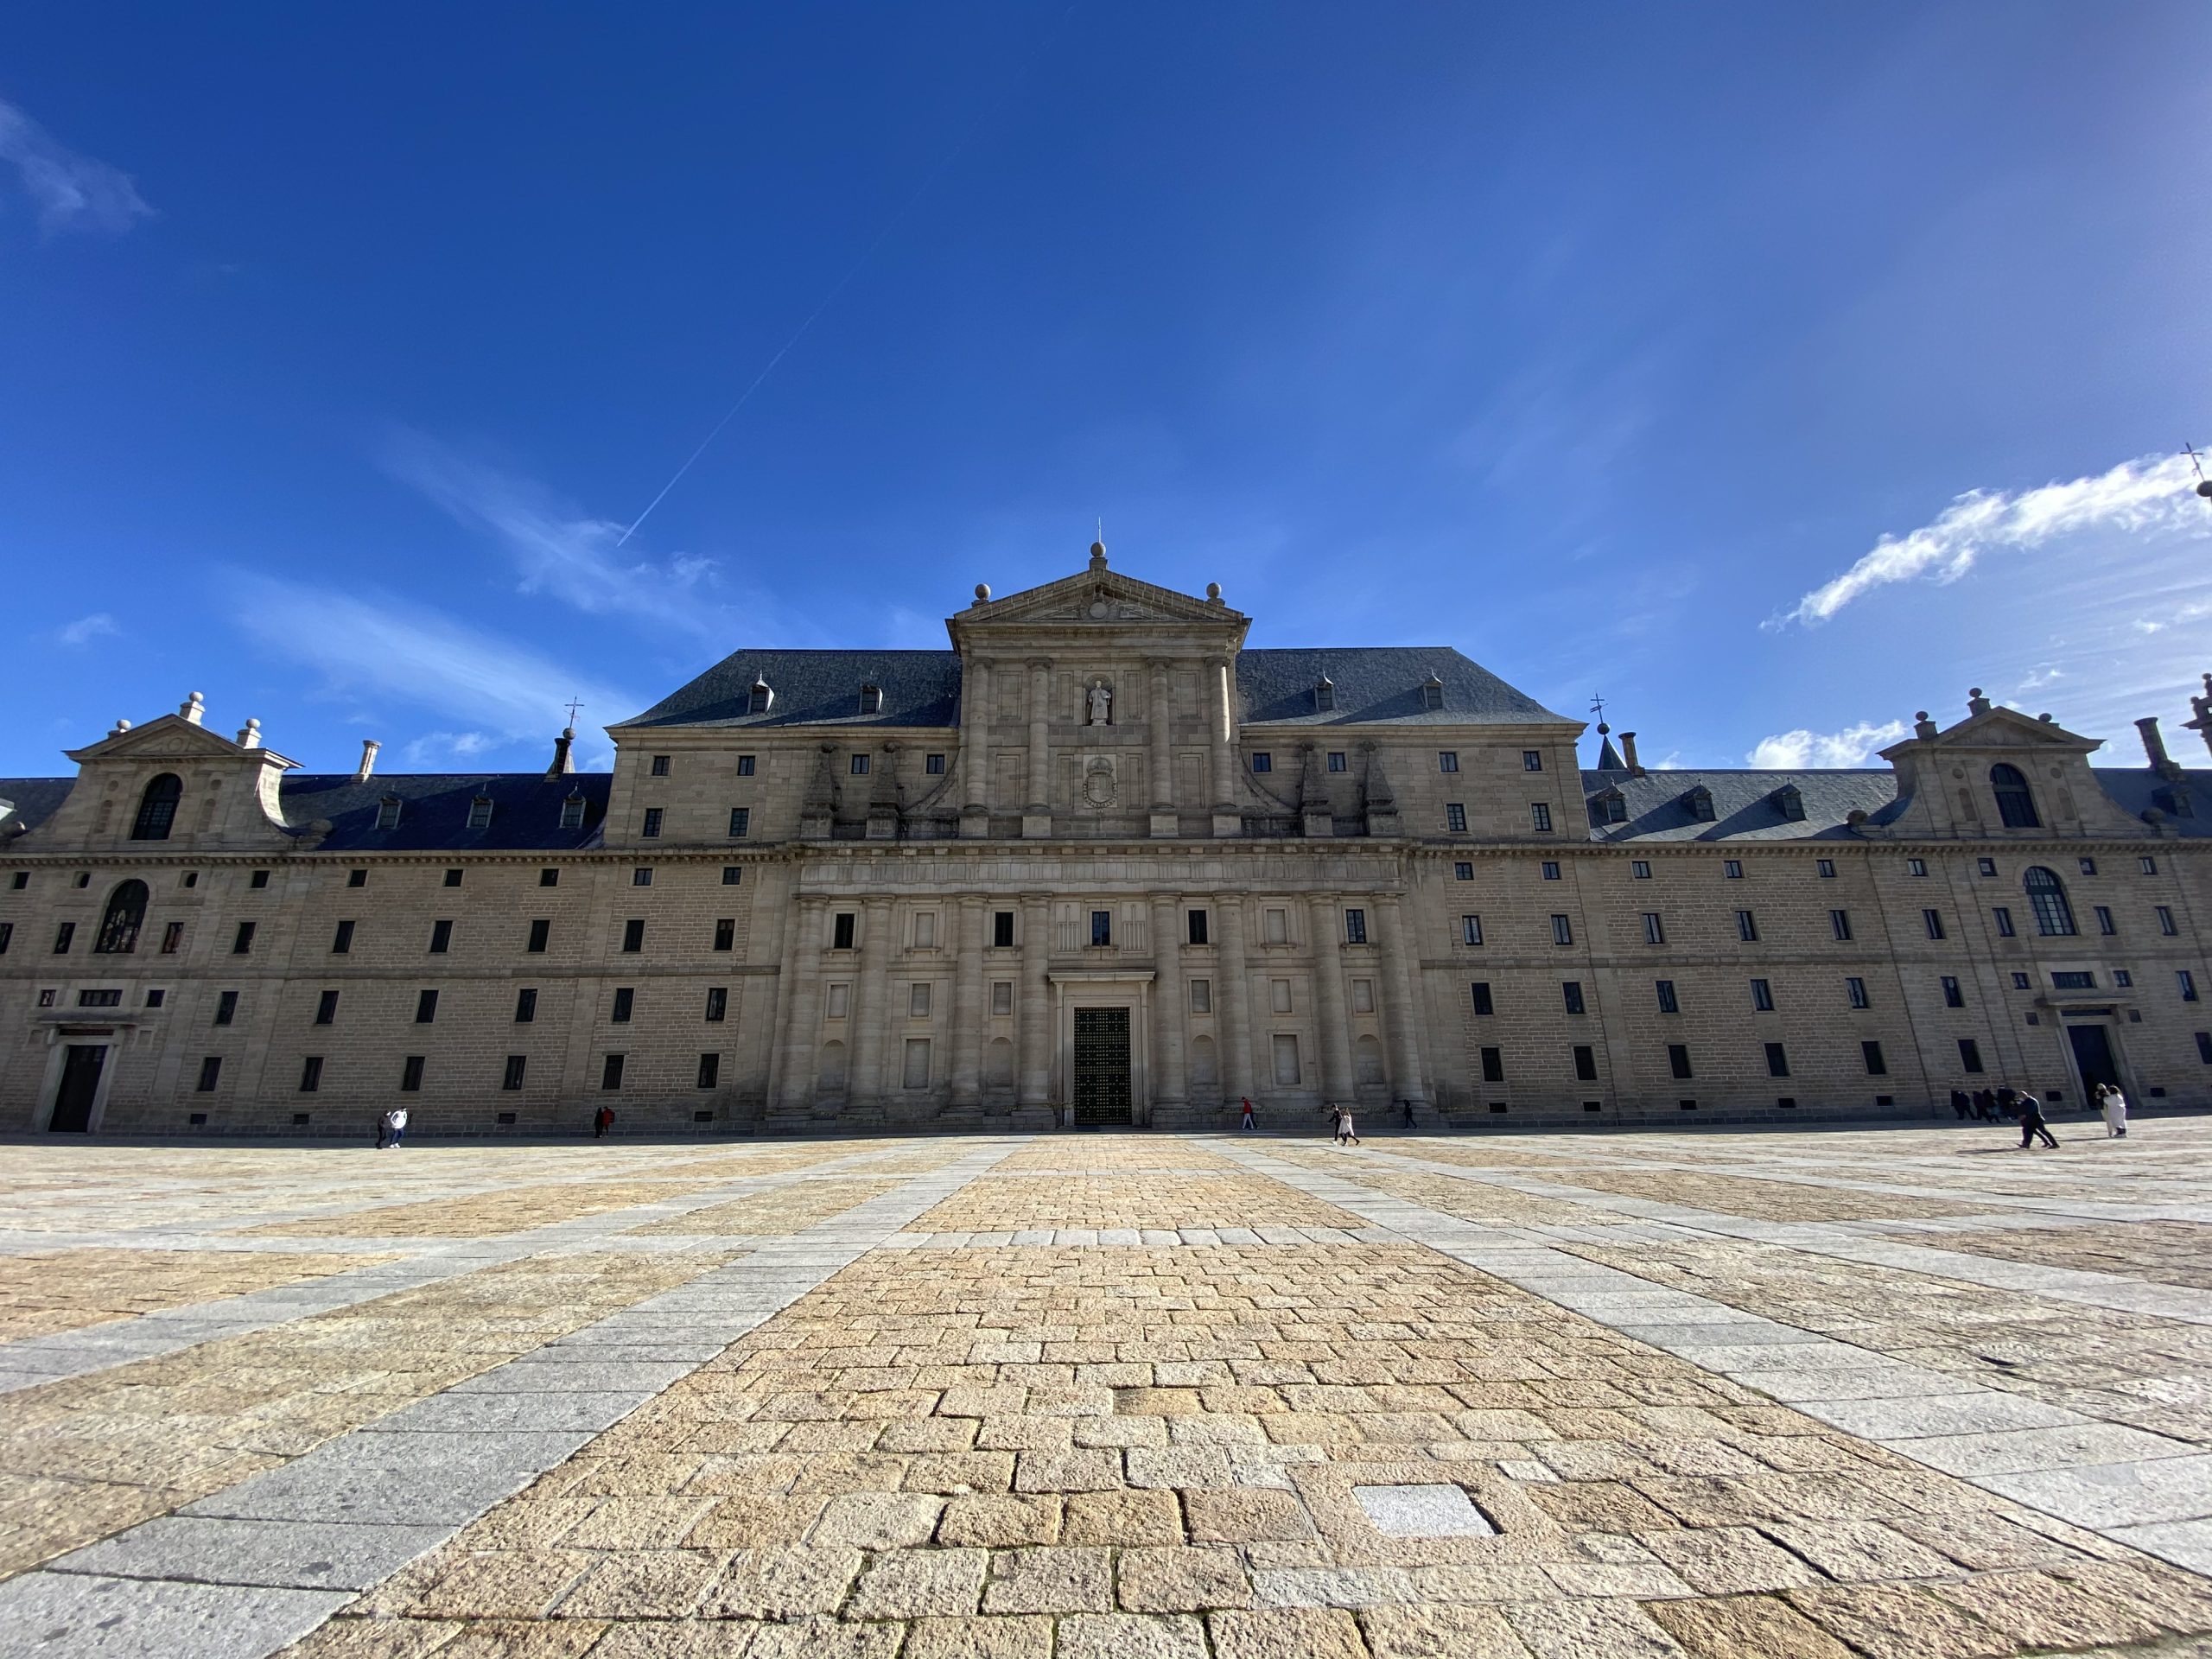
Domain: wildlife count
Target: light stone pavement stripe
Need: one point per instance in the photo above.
(30, 1362)
(2136, 1487)
(251, 1569)
(2089, 1288)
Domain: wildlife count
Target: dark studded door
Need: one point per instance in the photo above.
(81, 1081)
(1102, 1066)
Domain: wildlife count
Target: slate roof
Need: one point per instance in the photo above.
(920, 688)
(2137, 789)
(433, 811)
(1743, 803)
(1377, 683)
(26, 803)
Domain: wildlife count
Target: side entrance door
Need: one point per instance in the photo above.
(2093, 1058)
(81, 1081)
(1102, 1066)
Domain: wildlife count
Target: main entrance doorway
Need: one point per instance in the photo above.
(2093, 1058)
(1102, 1066)
(81, 1081)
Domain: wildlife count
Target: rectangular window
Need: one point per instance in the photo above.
(1655, 931)
(1916, 867)
(1448, 761)
(726, 933)
(1668, 1004)
(1493, 1065)
(310, 1074)
(1777, 1060)
(1286, 1058)
(1639, 870)
(1001, 930)
(642, 876)
(2004, 919)
(660, 765)
(511, 1078)
(859, 765)
(410, 1075)
(1549, 869)
(1195, 926)
(211, 1070)
(1002, 995)
(1747, 927)
(933, 765)
(1876, 1065)
(1933, 921)
(525, 1005)
(1840, 924)
(1540, 817)
(1761, 996)
(479, 814)
(2104, 919)
(243, 942)
(740, 821)
(610, 1073)
(103, 999)
(326, 1008)
(1562, 931)
(357, 878)
(745, 766)
(2021, 982)
(1570, 992)
(1463, 872)
(2089, 867)
(541, 932)
(1355, 927)
(1854, 992)
(572, 812)
(918, 1000)
(172, 940)
(2073, 980)
(2186, 982)
(2167, 922)
(1953, 996)
(1101, 927)
(1278, 995)
(918, 1062)
(1336, 760)
(226, 1007)
(1585, 1063)
(2122, 978)
(717, 1004)
(710, 1070)
(1201, 995)
(1470, 929)
(733, 876)
(259, 879)
(1825, 866)
(1532, 760)
(1986, 867)
(549, 877)
(634, 936)
(1678, 1060)
(441, 937)
(2204, 1046)
(452, 878)
(1731, 869)
(626, 1003)
(341, 942)
(1969, 1054)
(2147, 865)
(426, 1008)
(1480, 990)
(1455, 817)
(841, 930)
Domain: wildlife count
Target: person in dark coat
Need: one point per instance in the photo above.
(2031, 1121)
(1961, 1104)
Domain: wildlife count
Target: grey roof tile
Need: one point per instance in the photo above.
(26, 803)
(920, 688)
(1380, 684)
(1743, 803)
(433, 811)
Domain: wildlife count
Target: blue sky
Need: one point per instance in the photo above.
(1642, 350)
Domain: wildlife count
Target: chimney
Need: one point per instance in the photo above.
(194, 708)
(369, 748)
(1628, 753)
(2154, 746)
(562, 765)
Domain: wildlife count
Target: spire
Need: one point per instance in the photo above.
(1609, 758)
(564, 762)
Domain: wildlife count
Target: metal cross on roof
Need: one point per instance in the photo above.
(574, 704)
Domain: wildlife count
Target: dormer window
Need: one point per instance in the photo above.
(757, 701)
(1788, 802)
(870, 699)
(1324, 696)
(158, 808)
(2015, 805)
(388, 812)
(572, 812)
(1431, 693)
(480, 812)
(1698, 803)
(1609, 806)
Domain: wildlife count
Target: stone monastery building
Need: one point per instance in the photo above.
(1097, 863)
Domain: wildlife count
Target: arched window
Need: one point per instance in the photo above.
(2016, 807)
(2048, 899)
(126, 912)
(158, 808)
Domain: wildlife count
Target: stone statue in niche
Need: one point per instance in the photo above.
(1100, 700)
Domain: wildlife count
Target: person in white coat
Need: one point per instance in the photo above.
(2113, 1105)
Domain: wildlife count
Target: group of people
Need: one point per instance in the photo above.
(1344, 1133)
(2104, 1099)
(390, 1127)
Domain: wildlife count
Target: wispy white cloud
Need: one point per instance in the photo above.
(1851, 746)
(2145, 496)
(556, 548)
(370, 647)
(433, 747)
(86, 629)
(73, 192)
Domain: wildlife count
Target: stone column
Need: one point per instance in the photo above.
(1162, 732)
(1221, 735)
(1401, 1013)
(802, 1015)
(1170, 1012)
(1037, 814)
(974, 750)
(1329, 997)
(1236, 988)
(1033, 1006)
(871, 1011)
(968, 1004)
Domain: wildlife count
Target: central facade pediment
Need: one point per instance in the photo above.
(1098, 600)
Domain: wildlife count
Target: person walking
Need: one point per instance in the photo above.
(1961, 1104)
(2113, 1105)
(601, 1121)
(1409, 1106)
(398, 1117)
(1345, 1134)
(2032, 1120)
(1245, 1122)
(383, 1129)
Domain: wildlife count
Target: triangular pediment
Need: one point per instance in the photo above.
(1096, 597)
(2000, 727)
(171, 737)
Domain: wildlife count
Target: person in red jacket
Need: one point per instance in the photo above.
(601, 1121)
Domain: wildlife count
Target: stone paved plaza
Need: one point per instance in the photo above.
(1905, 1393)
